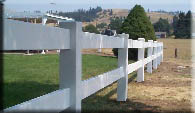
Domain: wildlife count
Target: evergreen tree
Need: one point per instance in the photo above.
(137, 25)
(188, 24)
(162, 26)
(82, 15)
(115, 24)
(175, 20)
(182, 26)
(110, 12)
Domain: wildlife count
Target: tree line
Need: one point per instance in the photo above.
(82, 15)
(182, 25)
(180, 28)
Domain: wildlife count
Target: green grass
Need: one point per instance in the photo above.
(27, 77)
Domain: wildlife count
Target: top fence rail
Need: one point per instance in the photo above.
(26, 36)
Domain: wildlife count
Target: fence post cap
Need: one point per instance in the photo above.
(127, 35)
(141, 39)
(123, 35)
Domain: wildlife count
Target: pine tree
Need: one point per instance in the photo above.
(182, 28)
(115, 24)
(188, 24)
(137, 25)
(163, 26)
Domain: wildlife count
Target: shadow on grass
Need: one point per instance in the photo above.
(97, 103)
(105, 104)
(18, 92)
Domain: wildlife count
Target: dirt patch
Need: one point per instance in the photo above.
(167, 88)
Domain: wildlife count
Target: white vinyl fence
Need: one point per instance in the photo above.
(71, 40)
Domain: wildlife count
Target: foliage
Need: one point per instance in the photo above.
(115, 24)
(91, 28)
(108, 32)
(111, 12)
(101, 26)
(137, 25)
(83, 15)
(163, 26)
(182, 25)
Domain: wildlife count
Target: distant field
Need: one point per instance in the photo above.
(183, 48)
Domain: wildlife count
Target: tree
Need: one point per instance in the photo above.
(179, 32)
(91, 28)
(110, 12)
(182, 27)
(175, 20)
(163, 26)
(83, 15)
(188, 24)
(137, 25)
(115, 24)
(101, 26)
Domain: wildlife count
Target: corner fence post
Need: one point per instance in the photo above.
(155, 54)
(149, 54)
(70, 66)
(122, 87)
(140, 72)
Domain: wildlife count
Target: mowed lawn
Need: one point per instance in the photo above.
(27, 77)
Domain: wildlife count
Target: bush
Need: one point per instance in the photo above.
(91, 28)
(137, 25)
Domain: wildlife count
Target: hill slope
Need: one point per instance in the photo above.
(104, 16)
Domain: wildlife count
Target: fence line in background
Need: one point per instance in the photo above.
(71, 40)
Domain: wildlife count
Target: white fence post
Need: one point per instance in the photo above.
(155, 53)
(100, 49)
(149, 53)
(158, 49)
(70, 65)
(162, 53)
(140, 72)
(44, 21)
(122, 88)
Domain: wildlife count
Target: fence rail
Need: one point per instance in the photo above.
(26, 36)
(54, 101)
(94, 84)
(71, 40)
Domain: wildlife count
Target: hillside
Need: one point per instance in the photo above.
(104, 16)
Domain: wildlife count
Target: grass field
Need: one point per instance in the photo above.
(27, 77)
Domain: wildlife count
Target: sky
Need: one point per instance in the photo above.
(71, 5)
